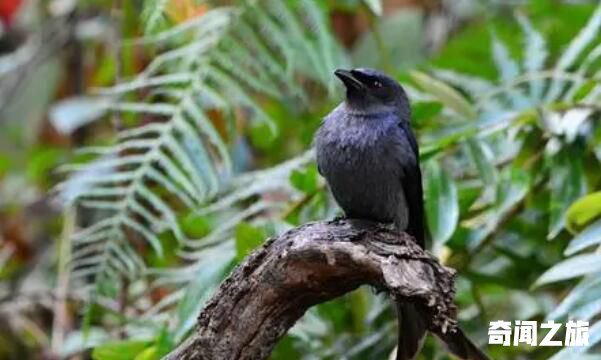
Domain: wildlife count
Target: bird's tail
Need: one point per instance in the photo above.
(412, 331)
(461, 346)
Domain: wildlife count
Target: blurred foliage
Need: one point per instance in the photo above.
(149, 146)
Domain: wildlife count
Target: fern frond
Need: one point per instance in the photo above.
(179, 160)
(153, 15)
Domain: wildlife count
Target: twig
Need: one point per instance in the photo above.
(59, 323)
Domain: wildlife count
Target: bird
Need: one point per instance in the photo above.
(368, 154)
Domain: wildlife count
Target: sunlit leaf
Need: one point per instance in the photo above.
(442, 205)
(375, 6)
(578, 352)
(588, 289)
(574, 50)
(584, 90)
(567, 184)
(305, 181)
(153, 15)
(424, 110)
(79, 341)
(590, 236)
(583, 211)
(248, 238)
(535, 54)
(508, 69)
(72, 113)
(122, 350)
(571, 268)
(482, 157)
(446, 94)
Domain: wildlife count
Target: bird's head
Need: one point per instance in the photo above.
(370, 91)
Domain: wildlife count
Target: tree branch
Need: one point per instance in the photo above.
(312, 264)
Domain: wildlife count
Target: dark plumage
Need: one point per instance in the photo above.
(370, 159)
(368, 153)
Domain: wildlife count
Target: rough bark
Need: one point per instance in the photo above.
(308, 265)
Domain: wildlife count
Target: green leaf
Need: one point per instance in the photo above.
(164, 343)
(72, 113)
(482, 157)
(588, 237)
(153, 15)
(584, 90)
(574, 51)
(248, 238)
(425, 110)
(194, 226)
(566, 185)
(586, 35)
(150, 353)
(588, 310)
(381, 48)
(583, 211)
(41, 162)
(579, 352)
(305, 181)
(375, 6)
(446, 94)
(79, 341)
(119, 350)
(285, 349)
(442, 206)
(507, 67)
(587, 290)
(535, 54)
(508, 70)
(262, 136)
(571, 268)
(6, 163)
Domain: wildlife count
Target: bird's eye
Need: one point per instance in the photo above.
(377, 84)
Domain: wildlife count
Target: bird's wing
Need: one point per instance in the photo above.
(412, 187)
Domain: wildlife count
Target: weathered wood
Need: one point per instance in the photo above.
(308, 265)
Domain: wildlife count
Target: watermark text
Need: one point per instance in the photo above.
(526, 332)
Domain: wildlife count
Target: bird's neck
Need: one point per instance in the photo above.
(368, 111)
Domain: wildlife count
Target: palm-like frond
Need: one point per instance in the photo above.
(153, 15)
(179, 159)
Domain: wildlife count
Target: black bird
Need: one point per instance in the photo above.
(368, 153)
(369, 156)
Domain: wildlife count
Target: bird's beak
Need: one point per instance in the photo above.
(350, 81)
